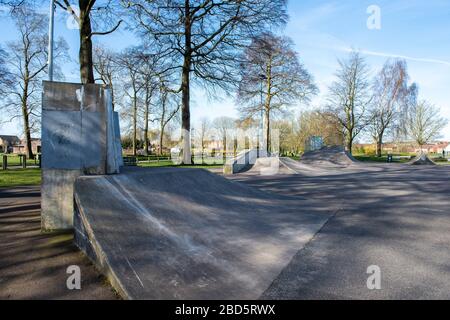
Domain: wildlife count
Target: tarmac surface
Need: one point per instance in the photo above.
(309, 230)
(189, 233)
(33, 265)
(393, 216)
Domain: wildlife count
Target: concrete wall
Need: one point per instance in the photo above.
(242, 162)
(78, 138)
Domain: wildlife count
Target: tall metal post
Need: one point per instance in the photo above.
(50, 39)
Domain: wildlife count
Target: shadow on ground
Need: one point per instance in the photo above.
(33, 265)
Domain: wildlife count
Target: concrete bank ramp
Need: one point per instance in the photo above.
(422, 160)
(269, 166)
(329, 157)
(188, 233)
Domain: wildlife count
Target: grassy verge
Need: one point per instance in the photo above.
(14, 160)
(366, 158)
(20, 177)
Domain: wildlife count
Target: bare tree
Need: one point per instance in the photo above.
(425, 123)
(349, 97)
(92, 14)
(169, 107)
(390, 88)
(27, 61)
(223, 127)
(106, 67)
(271, 70)
(203, 133)
(202, 36)
(102, 12)
(128, 62)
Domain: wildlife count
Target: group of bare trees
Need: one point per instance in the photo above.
(139, 79)
(24, 67)
(385, 106)
(272, 79)
(227, 46)
(202, 38)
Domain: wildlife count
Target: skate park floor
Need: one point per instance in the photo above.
(189, 233)
(393, 216)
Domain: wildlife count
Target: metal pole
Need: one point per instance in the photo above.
(262, 143)
(50, 40)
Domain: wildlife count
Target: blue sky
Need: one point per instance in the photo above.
(323, 31)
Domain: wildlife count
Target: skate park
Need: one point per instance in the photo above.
(259, 228)
(275, 228)
(192, 152)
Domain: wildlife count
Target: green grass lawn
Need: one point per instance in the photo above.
(20, 177)
(369, 158)
(14, 160)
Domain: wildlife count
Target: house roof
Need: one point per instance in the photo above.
(9, 138)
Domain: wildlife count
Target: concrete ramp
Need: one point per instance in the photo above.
(269, 166)
(189, 234)
(422, 160)
(329, 157)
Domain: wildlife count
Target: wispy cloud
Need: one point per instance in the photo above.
(391, 55)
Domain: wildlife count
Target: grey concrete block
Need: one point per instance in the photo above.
(92, 142)
(243, 161)
(57, 198)
(118, 141)
(79, 134)
(61, 96)
(61, 140)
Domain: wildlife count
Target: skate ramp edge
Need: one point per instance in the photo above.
(189, 234)
(242, 162)
(269, 166)
(422, 160)
(333, 156)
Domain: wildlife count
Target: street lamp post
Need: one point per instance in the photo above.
(50, 39)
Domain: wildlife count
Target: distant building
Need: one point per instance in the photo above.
(20, 148)
(447, 151)
(7, 143)
(408, 147)
(314, 143)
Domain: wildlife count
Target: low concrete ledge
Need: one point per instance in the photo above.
(245, 160)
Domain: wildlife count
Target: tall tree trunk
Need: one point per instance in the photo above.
(185, 89)
(379, 146)
(161, 139)
(147, 111)
(135, 123)
(267, 133)
(85, 54)
(26, 123)
(224, 151)
(350, 144)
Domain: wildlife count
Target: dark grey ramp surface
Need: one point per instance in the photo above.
(393, 216)
(329, 157)
(190, 234)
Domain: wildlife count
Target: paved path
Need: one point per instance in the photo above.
(33, 265)
(396, 217)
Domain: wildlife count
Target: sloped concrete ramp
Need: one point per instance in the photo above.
(329, 157)
(422, 160)
(189, 234)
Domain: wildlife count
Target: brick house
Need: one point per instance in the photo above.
(7, 143)
(20, 148)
